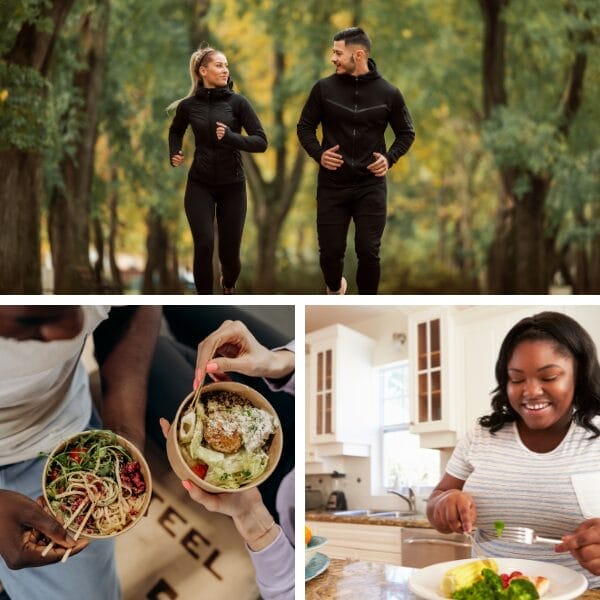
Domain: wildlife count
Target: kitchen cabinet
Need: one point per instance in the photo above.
(340, 415)
(433, 366)
(377, 543)
(480, 332)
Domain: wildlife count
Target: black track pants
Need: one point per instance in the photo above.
(366, 206)
(228, 202)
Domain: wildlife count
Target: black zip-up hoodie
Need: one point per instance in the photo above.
(217, 162)
(354, 112)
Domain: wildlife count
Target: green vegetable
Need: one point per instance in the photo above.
(520, 589)
(91, 450)
(492, 580)
(237, 469)
(499, 527)
(490, 588)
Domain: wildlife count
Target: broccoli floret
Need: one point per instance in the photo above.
(521, 589)
(477, 591)
(492, 580)
(499, 527)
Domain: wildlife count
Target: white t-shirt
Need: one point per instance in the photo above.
(44, 391)
(550, 492)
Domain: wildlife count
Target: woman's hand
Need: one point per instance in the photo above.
(24, 525)
(221, 128)
(584, 545)
(452, 511)
(178, 159)
(250, 516)
(233, 348)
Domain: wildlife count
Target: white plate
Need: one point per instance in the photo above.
(565, 583)
(316, 566)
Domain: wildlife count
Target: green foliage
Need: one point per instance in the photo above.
(23, 112)
(521, 142)
(442, 196)
(15, 13)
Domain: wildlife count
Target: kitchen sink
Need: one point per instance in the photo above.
(393, 514)
(379, 514)
(359, 512)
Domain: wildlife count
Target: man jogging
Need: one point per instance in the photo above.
(354, 106)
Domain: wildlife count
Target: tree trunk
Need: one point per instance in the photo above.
(113, 205)
(594, 266)
(198, 27)
(21, 170)
(158, 277)
(521, 239)
(273, 199)
(21, 190)
(98, 265)
(69, 211)
(530, 238)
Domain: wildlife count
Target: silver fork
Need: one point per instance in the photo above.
(521, 535)
(478, 551)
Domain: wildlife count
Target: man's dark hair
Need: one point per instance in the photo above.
(354, 35)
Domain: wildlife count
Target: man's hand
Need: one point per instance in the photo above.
(25, 525)
(178, 159)
(380, 166)
(233, 348)
(330, 159)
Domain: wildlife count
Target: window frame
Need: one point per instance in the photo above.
(384, 429)
(391, 428)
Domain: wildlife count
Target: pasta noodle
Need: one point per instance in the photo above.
(94, 469)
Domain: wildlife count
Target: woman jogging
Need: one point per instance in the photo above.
(216, 181)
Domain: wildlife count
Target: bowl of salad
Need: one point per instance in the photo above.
(97, 483)
(227, 439)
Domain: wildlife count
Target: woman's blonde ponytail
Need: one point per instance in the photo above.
(197, 59)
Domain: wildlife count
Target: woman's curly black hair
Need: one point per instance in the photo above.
(569, 339)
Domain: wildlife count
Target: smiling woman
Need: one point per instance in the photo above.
(216, 182)
(533, 461)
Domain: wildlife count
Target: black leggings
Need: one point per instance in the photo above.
(228, 201)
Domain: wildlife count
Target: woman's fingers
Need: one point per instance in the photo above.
(165, 426)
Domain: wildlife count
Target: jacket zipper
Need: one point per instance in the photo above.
(212, 137)
(354, 127)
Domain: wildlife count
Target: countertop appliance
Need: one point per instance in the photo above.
(337, 501)
(313, 499)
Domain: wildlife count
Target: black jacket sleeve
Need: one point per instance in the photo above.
(402, 125)
(310, 118)
(256, 140)
(177, 129)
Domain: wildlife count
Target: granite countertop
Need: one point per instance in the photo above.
(416, 521)
(360, 579)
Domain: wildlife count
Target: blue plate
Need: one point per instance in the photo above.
(316, 542)
(317, 565)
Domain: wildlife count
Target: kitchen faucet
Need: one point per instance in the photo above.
(411, 500)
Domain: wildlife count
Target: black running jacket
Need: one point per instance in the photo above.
(354, 112)
(216, 161)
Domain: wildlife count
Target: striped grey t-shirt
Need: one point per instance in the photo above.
(510, 483)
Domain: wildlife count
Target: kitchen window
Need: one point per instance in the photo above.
(404, 462)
